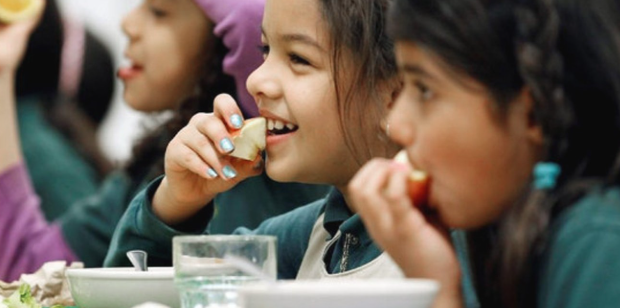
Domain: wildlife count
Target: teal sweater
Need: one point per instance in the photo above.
(580, 266)
(89, 225)
(60, 174)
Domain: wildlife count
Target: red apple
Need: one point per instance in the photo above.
(418, 182)
(250, 140)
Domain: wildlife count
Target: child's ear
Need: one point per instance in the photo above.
(534, 129)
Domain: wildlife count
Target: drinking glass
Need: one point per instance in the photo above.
(203, 275)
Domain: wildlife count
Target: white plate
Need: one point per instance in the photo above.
(372, 293)
(122, 287)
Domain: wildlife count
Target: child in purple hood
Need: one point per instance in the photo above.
(182, 54)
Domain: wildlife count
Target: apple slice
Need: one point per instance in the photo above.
(418, 182)
(250, 139)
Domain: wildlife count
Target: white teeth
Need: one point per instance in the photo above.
(277, 125)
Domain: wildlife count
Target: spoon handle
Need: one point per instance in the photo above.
(138, 260)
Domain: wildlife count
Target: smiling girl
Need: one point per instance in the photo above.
(512, 108)
(182, 53)
(326, 83)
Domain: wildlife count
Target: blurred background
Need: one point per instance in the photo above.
(121, 125)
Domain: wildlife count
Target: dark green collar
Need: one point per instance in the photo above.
(338, 216)
(336, 211)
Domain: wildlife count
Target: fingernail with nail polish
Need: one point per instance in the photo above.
(227, 145)
(211, 173)
(229, 172)
(236, 120)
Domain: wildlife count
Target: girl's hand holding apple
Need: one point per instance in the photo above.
(200, 161)
(392, 199)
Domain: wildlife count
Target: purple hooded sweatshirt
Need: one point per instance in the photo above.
(238, 22)
(26, 239)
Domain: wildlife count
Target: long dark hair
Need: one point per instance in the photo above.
(39, 71)
(148, 155)
(567, 54)
(357, 31)
(75, 117)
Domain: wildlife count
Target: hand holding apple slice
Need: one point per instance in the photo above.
(418, 182)
(250, 140)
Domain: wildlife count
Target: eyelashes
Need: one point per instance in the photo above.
(425, 93)
(293, 57)
(158, 13)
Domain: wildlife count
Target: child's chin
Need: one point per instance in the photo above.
(278, 173)
(134, 99)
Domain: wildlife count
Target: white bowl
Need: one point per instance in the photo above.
(388, 293)
(122, 287)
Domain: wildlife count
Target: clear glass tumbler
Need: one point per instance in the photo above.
(203, 276)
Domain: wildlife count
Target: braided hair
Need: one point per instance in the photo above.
(560, 64)
(522, 232)
(566, 53)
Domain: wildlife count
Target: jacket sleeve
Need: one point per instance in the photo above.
(139, 228)
(584, 271)
(89, 224)
(27, 241)
(580, 265)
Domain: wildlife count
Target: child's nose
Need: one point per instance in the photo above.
(130, 24)
(402, 122)
(263, 83)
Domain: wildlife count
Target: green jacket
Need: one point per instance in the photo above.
(89, 225)
(580, 266)
(60, 174)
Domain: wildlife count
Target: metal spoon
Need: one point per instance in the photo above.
(138, 259)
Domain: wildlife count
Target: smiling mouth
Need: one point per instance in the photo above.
(277, 127)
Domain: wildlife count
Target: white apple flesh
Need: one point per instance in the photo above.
(418, 182)
(250, 140)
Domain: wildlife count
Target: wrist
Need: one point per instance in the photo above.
(7, 74)
(7, 78)
(171, 209)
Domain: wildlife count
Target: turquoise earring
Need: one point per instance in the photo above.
(546, 174)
